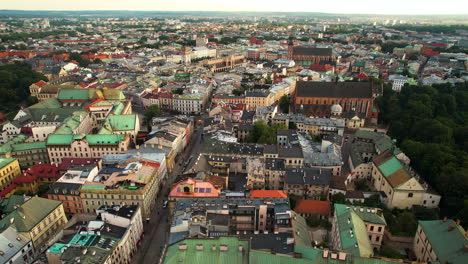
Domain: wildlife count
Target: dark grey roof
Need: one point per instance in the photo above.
(294, 151)
(274, 242)
(126, 211)
(243, 127)
(334, 90)
(306, 175)
(274, 164)
(218, 219)
(354, 195)
(257, 93)
(64, 188)
(270, 149)
(247, 115)
(312, 51)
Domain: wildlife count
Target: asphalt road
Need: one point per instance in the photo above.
(345, 153)
(158, 227)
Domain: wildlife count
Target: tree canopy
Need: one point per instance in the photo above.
(284, 104)
(15, 80)
(431, 126)
(263, 133)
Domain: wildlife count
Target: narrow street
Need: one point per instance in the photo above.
(158, 227)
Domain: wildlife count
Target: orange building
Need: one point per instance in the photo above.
(69, 194)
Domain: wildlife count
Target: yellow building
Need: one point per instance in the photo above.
(39, 219)
(9, 169)
(137, 184)
(258, 98)
(403, 187)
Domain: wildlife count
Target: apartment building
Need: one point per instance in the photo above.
(130, 180)
(308, 183)
(129, 217)
(441, 241)
(9, 169)
(85, 146)
(39, 219)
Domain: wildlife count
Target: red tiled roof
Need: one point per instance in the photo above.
(8, 189)
(40, 83)
(24, 178)
(267, 194)
(312, 207)
(67, 162)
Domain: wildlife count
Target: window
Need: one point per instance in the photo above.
(372, 228)
(377, 239)
(380, 229)
(410, 195)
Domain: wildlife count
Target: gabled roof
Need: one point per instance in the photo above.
(391, 168)
(448, 245)
(312, 207)
(29, 214)
(352, 231)
(267, 194)
(76, 94)
(334, 90)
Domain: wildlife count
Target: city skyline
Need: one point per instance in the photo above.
(398, 7)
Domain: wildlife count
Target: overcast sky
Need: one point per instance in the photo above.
(336, 6)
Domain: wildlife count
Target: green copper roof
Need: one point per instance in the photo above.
(8, 146)
(447, 245)
(122, 122)
(104, 139)
(369, 214)
(257, 256)
(9, 204)
(93, 187)
(54, 139)
(207, 255)
(29, 214)
(391, 166)
(29, 146)
(5, 162)
(71, 123)
(76, 94)
(353, 231)
(51, 103)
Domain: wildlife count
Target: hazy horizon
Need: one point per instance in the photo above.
(396, 7)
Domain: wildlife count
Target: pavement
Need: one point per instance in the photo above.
(157, 228)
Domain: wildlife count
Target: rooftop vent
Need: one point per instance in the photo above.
(223, 248)
(182, 246)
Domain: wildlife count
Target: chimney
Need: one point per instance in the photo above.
(213, 247)
(297, 255)
(458, 222)
(445, 219)
(379, 212)
(241, 248)
(450, 228)
(199, 247)
(465, 248)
